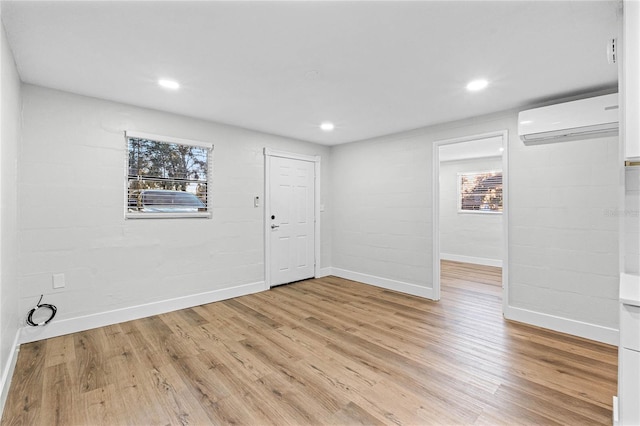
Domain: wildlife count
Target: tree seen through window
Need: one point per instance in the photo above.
(480, 192)
(166, 177)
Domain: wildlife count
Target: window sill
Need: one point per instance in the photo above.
(489, 212)
(198, 215)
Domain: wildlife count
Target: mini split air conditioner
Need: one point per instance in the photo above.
(586, 118)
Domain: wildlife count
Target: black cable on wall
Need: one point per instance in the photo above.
(39, 306)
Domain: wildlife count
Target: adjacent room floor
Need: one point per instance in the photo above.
(322, 351)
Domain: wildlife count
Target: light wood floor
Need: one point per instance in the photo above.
(326, 351)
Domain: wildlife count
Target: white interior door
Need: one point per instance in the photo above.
(290, 214)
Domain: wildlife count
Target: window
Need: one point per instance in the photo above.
(167, 177)
(480, 192)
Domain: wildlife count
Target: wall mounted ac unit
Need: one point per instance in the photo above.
(586, 118)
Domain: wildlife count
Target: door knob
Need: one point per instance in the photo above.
(275, 226)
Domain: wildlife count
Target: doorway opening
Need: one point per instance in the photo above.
(470, 215)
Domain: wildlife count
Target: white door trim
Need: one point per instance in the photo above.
(505, 212)
(268, 152)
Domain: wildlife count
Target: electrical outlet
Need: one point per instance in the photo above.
(58, 281)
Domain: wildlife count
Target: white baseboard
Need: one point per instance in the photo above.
(87, 322)
(324, 272)
(563, 325)
(471, 259)
(389, 284)
(7, 373)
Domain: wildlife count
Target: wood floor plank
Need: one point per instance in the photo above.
(58, 398)
(93, 371)
(173, 395)
(298, 408)
(204, 386)
(353, 414)
(103, 406)
(150, 355)
(326, 351)
(60, 350)
(244, 393)
(25, 394)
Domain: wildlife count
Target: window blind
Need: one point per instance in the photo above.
(167, 176)
(480, 191)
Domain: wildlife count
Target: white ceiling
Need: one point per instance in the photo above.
(373, 68)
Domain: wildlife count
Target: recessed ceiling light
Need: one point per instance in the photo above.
(327, 126)
(169, 84)
(476, 85)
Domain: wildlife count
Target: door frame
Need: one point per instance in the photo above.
(505, 209)
(268, 152)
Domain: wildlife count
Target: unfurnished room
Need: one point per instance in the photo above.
(320, 212)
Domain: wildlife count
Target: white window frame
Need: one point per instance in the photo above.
(172, 140)
(459, 191)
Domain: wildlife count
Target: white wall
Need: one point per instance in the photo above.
(470, 237)
(563, 247)
(377, 225)
(382, 213)
(631, 223)
(72, 219)
(382, 194)
(9, 143)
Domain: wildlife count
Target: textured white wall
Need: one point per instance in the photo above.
(474, 235)
(382, 194)
(382, 209)
(563, 246)
(71, 189)
(563, 240)
(631, 215)
(9, 142)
